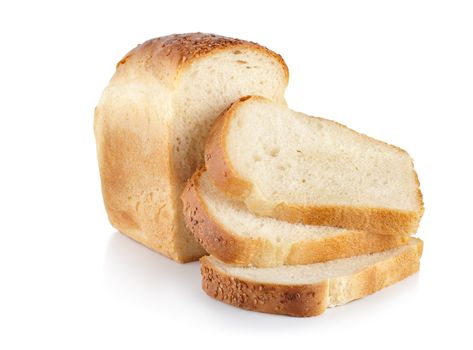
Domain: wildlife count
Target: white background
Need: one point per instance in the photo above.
(401, 72)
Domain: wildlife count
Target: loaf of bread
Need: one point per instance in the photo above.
(298, 213)
(152, 120)
(307, 290)
(298, 168)
(228, 231)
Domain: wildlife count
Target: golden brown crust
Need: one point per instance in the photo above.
(300, 301)
(352, 243)
(129, 191)
(167, 56)
(376, 277)
(308, 300)
(226, 178)
(218, 166)
(245, 251)
(376, 220)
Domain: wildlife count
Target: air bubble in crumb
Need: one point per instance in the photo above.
(273, 152)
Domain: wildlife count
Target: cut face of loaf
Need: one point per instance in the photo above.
(153, 118)
(307, 290)
(227, 230)
(298, 168)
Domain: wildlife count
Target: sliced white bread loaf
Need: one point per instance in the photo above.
(152, 121)
(227, 230)
(298, 168)
(307, 290)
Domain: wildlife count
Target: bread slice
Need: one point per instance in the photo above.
(298, 168)
(152, 121)
(227, 230)
(307, 290)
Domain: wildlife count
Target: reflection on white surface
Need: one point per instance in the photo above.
(131, 267)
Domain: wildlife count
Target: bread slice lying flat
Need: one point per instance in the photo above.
(307, 290)
(227, 230)
(298, 168)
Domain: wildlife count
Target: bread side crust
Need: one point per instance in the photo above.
(307, 300)
(133, 206)
(222, 173)
(235, 249)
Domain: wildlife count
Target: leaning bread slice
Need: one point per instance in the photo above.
(307, 290)
(227, 230)
(298, 168)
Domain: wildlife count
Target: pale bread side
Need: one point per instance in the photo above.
(307, 290)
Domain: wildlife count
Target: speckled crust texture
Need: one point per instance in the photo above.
(234, 249)
(301, 301)
(308, 300)
(132, 131)
(375, 220)
(165, 57)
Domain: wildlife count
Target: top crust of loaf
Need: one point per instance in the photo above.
(228, 180)
(165, 57)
